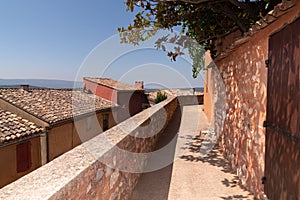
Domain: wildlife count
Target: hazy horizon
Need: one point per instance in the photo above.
(53, 40)
(47, 83)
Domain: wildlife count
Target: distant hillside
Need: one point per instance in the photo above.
(40, 83)
(197, 89)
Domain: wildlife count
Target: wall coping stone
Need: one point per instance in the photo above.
(48, 180)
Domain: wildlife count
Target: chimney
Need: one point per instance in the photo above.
(24, 87)
(139, 85)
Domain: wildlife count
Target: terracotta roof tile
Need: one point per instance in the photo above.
(13, 127)
(54, 105)
(112, 83)
(273, 15)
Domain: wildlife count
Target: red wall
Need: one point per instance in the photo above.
(131, 102)
(101, 91)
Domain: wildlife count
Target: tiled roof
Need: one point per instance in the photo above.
(53, 105)
(112, 83)
(273, 15)
(13, 127)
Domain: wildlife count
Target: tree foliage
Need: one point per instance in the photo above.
(160, 97)
(201, 20)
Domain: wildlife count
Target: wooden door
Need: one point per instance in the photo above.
(282, 161)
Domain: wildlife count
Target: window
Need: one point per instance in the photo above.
(89, 123)
(105, 122)
(23, 157)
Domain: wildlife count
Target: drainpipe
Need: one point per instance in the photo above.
(43, 146)
(47, 145)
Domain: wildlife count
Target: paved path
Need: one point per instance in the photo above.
(195, 174)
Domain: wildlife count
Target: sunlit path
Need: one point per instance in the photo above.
(190, 176)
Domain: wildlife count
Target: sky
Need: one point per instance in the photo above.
(69, 39)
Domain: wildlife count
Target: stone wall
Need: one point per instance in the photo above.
(105, 167)
(190, 100)
(243, 136)
(244, 89)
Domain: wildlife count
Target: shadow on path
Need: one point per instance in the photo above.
(215, 158)
(156, 184)
(190, 177)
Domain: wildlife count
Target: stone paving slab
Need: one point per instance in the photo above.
(191, 176)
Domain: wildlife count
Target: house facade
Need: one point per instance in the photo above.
(58, 119)
(20, 146)
(131, 99)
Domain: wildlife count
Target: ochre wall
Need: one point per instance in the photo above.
(243, 138)
(8, 163)
(244, 76)
(60, 140)
(67, 136)
(208, 88)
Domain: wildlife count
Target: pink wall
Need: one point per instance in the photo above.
(101, 91)
(131, 102)
(244, 75)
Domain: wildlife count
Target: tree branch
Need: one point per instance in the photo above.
(244, 6)
(229, 13)
(191, 1)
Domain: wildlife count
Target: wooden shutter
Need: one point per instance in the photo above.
(23, 157)
(105, 122)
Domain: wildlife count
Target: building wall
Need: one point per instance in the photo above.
(101, 171)
(208, 88)
(101, 91)
(243, 138)
(60, 140)
(131, 102)
(244, 78)
(8, 164)
(69, 135)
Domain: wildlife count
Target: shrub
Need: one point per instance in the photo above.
(160, 97)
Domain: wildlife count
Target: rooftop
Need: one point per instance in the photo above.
(272, 16)
(175, 170)
(111, 83)
(13, 127)
(54, 105)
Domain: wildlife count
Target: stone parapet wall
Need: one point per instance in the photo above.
(105, 167)
(190, 100)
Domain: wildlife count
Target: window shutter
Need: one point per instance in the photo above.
(105, 122)
(23, 157)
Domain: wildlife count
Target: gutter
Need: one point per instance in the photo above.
(5, 144)
(47, 146)
(71, 119)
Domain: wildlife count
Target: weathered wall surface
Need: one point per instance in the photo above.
(208, 107)
(243, 137)
(60, 140)
(71, 134)
(101, 91)
(8, 163)
(244, 78)
(98, 169)
(131, 103)
(186, 100)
